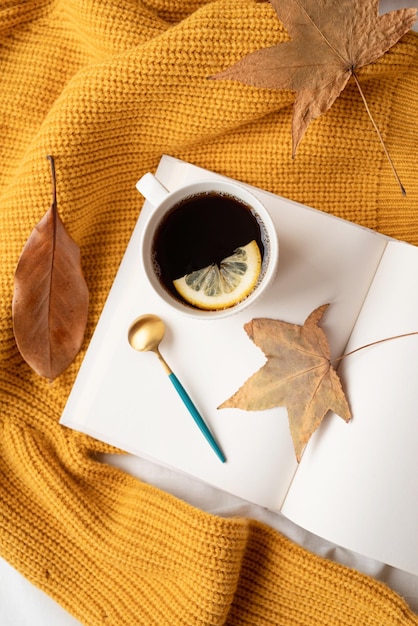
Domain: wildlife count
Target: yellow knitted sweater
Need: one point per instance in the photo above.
(107, 87)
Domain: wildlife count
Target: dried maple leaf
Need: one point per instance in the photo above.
(298, 375)
(50, 299)
(330, 39)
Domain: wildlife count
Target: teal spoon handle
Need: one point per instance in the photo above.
(196, 415)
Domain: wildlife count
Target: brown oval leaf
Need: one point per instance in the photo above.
(50, 299)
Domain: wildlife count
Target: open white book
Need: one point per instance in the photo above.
(357, 483)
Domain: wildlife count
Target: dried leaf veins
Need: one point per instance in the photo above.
(50, 299)
(298, 375)
(330, 39)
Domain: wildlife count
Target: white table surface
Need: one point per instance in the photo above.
(22, 604)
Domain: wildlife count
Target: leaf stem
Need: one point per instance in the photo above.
(378, 133)
(53, 177)
(373, 343)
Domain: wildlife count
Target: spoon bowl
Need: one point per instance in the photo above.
(146, 333)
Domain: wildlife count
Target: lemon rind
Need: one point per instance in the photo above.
(202, 301)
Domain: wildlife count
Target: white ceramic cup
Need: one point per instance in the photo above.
(163, 201)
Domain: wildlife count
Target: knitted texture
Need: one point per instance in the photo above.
(107, 88)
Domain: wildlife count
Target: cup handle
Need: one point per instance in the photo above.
(151, 188)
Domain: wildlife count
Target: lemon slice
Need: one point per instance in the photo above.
(220, 286)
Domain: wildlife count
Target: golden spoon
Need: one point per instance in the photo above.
(145, 334)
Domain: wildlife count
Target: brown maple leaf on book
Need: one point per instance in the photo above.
(298, 374)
